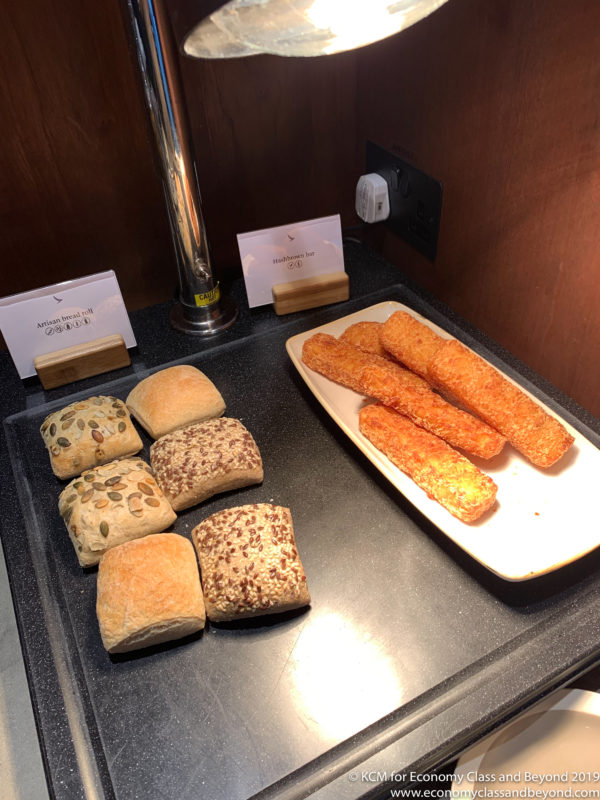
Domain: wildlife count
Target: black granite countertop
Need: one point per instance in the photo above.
(532, 640)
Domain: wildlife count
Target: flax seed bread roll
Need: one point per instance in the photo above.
(112, 504)
(148, 592)
(444, 474)
(174, 398)
(483, 390)
(249, 562)
(87, 433)
(201, 460)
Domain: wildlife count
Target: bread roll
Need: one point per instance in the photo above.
(112, 504)
(249, 562)
(204, 459)
(148, 592)
(174, 398)
(87, 433)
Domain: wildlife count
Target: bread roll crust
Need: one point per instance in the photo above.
(249, 562)
(174, 398)
(148, 592)
(112, 504)
(87, 433)
(214, 456)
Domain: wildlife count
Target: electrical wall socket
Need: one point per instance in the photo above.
(415, 200)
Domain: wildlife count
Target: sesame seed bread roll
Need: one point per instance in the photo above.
(174, 398)
(483, 390)
(89, 432)
(410, 341)
(430, 411)
(112, 504)
(201, 460)
(148, 592)
(249, 562)
(343, 363)
(365, 336)
(445, 475)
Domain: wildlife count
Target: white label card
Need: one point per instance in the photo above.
(73, 312)
(289, 253)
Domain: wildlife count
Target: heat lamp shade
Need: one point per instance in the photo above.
(301, 27)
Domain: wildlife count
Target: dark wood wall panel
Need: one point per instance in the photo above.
(275, 142)
(500, 101)
(81, 188)
(80, 192)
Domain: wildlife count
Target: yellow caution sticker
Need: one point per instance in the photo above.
(208, 298)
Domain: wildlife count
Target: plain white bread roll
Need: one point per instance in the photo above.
(149, 592)
(174, 398)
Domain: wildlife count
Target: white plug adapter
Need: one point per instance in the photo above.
(372, 198)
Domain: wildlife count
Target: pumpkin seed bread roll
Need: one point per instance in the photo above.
(480, 388)
(365, 336)
(445, 475)
(410, 341)
(89, 432)
(430, 411)
(343, 363)
(112, 504)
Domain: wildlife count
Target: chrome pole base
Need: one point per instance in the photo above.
(205, 320)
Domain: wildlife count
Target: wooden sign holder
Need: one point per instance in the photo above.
(319, 290)
(81, 361)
